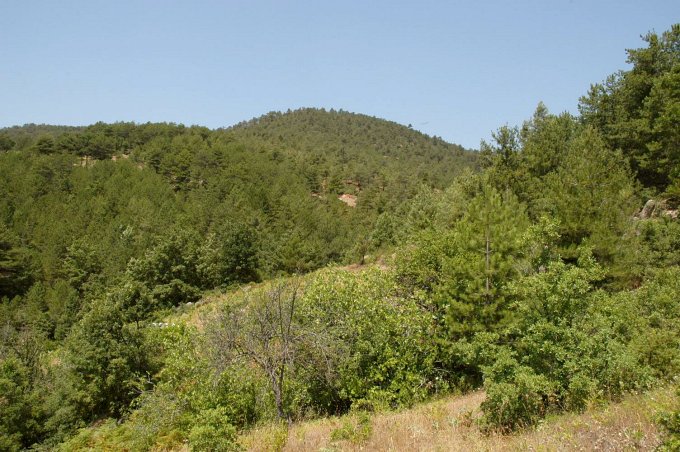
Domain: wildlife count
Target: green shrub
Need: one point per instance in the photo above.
(212, 432)
(356, 429)
(670, 422)
(370, 344)
(571, 344)
(519, 402)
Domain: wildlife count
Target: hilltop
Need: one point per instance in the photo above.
(356, 147)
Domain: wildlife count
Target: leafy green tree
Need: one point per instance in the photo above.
(167, 274)
(426, 225)
(567, 172)
(70, 143)
(545, 140)
(45, 145)
(99, 146)
(81, 264)
(239, 256)
(18, 423)
(570, 343)
(650, 246)
(6, 143)
(103, 361)
(364, 345)
(637, 110)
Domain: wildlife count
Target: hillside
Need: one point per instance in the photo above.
(353, 147)
(219, 182)
(195, 354)
(450, 424)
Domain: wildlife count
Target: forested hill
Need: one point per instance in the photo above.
(269, 187)
(21, 136)
(146, 217)
(355, 146)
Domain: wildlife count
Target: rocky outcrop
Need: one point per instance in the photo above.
(654, 208)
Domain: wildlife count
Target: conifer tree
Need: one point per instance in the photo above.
(592, 196)
(483, 255)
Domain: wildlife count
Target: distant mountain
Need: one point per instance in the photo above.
(356, 147)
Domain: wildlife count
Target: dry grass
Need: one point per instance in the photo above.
(449, 425)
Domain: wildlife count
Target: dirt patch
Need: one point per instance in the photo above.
(350, 200)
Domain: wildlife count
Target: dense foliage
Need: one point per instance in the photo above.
(638, 111)
(541, 278)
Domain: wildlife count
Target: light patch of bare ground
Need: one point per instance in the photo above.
(450, 425)
(350, 200)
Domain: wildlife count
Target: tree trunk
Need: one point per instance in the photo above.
(488, 266)
(277, 384)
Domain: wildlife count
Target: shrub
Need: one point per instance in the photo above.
(671, 423)
(571, 344)
(356, 430)
(370, 343)
(212, 432)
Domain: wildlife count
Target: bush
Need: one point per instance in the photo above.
(671, 423)
(213, 432)
(571, 344)
(519, 401)
(378, 346)
(356, 430)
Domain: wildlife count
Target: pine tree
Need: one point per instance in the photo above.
(483, 255)
(592, 196)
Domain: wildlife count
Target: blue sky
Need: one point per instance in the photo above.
(458, 70)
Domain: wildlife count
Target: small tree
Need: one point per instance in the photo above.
(6, 143)
(264, 331)
(16, 265)
(483, 252)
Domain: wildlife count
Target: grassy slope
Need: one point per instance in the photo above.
(448, 425)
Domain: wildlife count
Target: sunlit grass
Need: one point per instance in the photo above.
(450, 424)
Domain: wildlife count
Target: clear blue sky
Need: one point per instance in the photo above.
(454, 69)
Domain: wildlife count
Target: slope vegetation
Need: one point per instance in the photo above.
(338, 147)
(450, 424)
